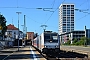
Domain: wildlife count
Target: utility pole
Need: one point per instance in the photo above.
(85, 41)
(18, 28)
(24, 25)
(24, 30)
(44, 27)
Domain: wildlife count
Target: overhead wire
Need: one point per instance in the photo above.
(53, 3)
(34, 8)
(19, 7)
(83, 16)
(17, 3)
(48, 9)
(33, 20)
(51, 8)
(83, 2)
(53, 13)
(88, 4)
(87, 13)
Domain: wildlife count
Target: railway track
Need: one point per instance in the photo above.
(63, 55)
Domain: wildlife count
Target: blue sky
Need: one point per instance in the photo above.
(35, 17)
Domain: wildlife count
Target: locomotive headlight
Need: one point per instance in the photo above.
(56, 46)
(51, 41)
(45, 46)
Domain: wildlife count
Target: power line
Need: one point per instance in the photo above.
(53, 3)
(33, 20)
(17, 3)
(88, 4)
(83, 2)
(53, 13)
(18, 7)
(63, 1)
(84, 16)
(28, 8)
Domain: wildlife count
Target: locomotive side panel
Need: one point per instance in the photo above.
(41, 41)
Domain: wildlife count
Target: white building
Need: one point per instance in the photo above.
(12, 34)
(66, 18)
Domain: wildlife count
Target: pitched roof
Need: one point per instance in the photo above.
(11, 27)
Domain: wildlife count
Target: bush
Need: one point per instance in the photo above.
(67, 43)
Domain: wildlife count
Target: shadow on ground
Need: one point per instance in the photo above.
(66, 54)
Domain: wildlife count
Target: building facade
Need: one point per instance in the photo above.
(30, 37)
(12, 34)
(75, 35)
(66, 18)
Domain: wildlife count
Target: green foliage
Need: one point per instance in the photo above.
(77, 43)
(3, 25)
(88, 41)
(74, 42)
(67, 43)
(82, 42)
(83, 38)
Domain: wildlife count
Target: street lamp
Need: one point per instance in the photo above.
(18, 28)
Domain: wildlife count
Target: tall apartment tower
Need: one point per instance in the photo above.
(66, 18)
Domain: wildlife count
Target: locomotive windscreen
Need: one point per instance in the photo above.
(51, 38)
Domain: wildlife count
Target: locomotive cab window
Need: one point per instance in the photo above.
(54, 37)
(47, 37)
(51, 38)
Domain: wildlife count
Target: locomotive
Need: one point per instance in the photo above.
(47, 41)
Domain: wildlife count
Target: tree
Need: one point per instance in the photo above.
(67, 43)
(2, 26)
(83, 41)
(75, 40)
(88, 41)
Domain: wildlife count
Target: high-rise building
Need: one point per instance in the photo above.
(66, 18)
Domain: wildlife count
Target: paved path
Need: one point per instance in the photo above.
(24, 53)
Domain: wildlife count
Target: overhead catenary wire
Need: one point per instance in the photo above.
(85, 11)
(33, 20)
(53, 3)
(33, 8)
(83, 2)
(53, 13)
(83, 16)
(88, 4)
(17, 3)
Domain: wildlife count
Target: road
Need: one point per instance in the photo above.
(24, 53)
